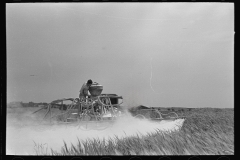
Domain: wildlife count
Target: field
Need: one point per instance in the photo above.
(206, 131)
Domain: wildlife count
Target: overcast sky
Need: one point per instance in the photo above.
(153, 54)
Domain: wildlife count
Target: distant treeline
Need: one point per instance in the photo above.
(135, 110)
(161, 108)
(29, 104)
(32, 104)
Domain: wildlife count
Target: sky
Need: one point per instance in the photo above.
(152, 54)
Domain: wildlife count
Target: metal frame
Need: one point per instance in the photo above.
(85, 109)
(161, 115)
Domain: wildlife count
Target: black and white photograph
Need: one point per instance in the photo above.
(116, 79)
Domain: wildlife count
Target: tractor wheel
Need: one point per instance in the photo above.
(140, 116)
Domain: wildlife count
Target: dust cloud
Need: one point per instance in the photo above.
(26, 131)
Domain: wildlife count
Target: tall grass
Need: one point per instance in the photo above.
(204, 132)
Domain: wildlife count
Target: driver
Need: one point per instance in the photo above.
(84, 90)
